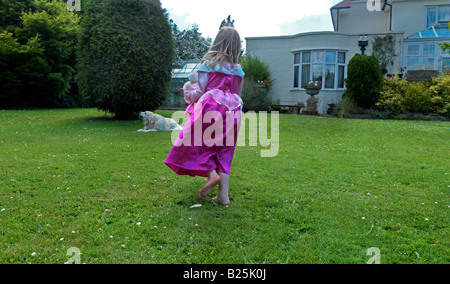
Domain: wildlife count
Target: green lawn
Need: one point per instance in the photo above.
(75, 178)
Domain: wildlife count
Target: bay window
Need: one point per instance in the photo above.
(325, 66)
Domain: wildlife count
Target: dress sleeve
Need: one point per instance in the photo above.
(202, 82)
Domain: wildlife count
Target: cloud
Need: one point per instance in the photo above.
(312, 23)
(252, 18)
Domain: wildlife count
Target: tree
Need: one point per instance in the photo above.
(11, 12)
(19, 64)
(125, 56)
(190, 44)
(38, 54)
(364, 80)
(227, 22)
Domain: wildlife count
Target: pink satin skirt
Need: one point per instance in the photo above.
(207, 141)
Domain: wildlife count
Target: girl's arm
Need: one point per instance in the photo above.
(202, 82)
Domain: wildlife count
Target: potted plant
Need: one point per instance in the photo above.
(313, 88)
(400, 72)
(311, 106)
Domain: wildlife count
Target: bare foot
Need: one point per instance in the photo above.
(219, 200)
(209, 185)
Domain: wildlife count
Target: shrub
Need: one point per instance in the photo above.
(254, 97)
(255, 93)
(125, 55)
(398, 96)
(416, 98)
(439, 93)
(364, 80)
(255, 69)
(345, 106)
(392, 95)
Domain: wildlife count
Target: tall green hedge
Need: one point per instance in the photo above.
(125, 55)
(364, 80)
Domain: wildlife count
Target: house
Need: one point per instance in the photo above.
(417, 26)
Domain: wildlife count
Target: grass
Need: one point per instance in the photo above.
(76, 178)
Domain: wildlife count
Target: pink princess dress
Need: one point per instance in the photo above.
(208, 140)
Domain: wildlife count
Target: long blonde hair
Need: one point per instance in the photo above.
(226, 48)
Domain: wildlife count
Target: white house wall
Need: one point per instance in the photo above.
(358, 18)
(410, 16)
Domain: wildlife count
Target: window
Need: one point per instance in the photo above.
(296, 72)
(428, 64)
(317, 72)
(327, 67)
(330, 75)
(306, 70)
(437, 14)
(421, 56)
(297, 58)
(443, 14)
(446, 64)
(412, 63)
(429, 49)
(431, 16)
(306, 74)
(341, 77)
(413, 49)
(306, 57)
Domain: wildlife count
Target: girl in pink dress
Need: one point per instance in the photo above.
(206, 145)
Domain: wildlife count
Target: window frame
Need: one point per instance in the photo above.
(299, 65)
(422, 56)
(436, 16)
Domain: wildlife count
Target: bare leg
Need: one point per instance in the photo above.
(213, 180)
(224, 186)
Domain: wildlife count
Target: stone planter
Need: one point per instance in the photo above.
(312, 91)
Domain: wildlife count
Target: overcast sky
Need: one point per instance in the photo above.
(253, 18)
